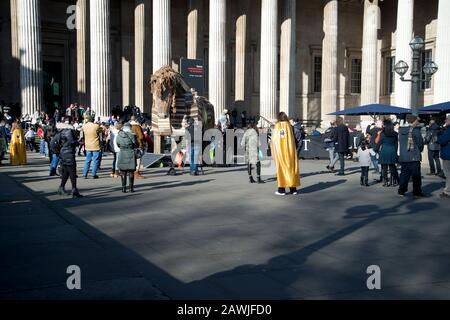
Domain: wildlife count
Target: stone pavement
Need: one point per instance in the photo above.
(218, 237)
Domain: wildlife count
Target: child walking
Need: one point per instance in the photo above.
(364, 156)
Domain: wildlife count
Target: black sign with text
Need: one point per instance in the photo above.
(193, 71)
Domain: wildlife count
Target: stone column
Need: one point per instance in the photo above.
(30, 48)
(442, 77)
(15, 76)
(139, 49)
(369, 70)
(404, 35)
(329, 62)
(162, 42)
(241, 52)
(81, 22)
(217, 55)
(100, 57)
(194, 30)
(288, 59)
(269, 57)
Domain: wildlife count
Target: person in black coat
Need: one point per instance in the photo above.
(411, 148)
(68, 144)
(434, 149)
(387, 148)
(341, 138)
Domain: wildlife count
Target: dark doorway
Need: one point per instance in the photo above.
(53, 89)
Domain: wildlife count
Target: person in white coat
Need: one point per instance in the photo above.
(113, 132)
(365, 155)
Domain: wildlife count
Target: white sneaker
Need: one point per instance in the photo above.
(280, 194)
(294, 193)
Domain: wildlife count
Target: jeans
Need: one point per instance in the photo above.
(54, 163)
(194, 161)
(446, 167)
(42, 147)
(334, 157)
(433, 157)
(94, 157)
(365, 172)
(47, 151)
(411, 169)
(375, 163)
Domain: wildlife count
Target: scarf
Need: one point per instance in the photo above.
(410, 139)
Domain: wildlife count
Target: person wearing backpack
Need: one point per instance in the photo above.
(66, 141)
(434, 148)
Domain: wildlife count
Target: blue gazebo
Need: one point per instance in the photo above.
(372, 110)
(436, 108)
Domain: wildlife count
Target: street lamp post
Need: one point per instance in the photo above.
(401, 68)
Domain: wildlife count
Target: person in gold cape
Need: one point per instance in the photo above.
(284, 153)
(17, 147)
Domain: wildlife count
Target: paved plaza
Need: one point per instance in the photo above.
(218, 237)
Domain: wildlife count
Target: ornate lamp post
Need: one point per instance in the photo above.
(401, 68)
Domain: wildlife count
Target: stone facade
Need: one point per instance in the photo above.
(132, 46)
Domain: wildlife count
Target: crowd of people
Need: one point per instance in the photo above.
(386, 147)
(62, 137)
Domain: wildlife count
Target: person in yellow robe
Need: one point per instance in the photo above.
(284, 153)
(17, 146)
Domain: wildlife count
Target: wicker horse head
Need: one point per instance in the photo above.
(164, 84)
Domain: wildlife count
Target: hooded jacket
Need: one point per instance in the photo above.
(410, 153)
(444, 141)
(68, 143)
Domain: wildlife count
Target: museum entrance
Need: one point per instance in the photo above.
(53, 76)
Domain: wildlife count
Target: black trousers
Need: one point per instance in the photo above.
(69, 172)
(258, 169)
(411, 169)
(114, 162)
(392, 168)
(433, 158)
(342, 161)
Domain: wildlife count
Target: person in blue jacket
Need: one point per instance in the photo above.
(411, 148)
(444, 142)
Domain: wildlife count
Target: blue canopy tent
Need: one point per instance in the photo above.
(436, 108)
(372, 110)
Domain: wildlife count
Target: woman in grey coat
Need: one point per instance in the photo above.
(126, 161)
(250, 143)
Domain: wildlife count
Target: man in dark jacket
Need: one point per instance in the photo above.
(299, 133)
(411, 148)
(444, 142)
(68, 144)
(434, 148)
(341, 140)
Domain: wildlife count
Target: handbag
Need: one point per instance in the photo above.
(138, 153)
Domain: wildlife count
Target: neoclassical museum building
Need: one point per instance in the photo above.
(305, 57)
